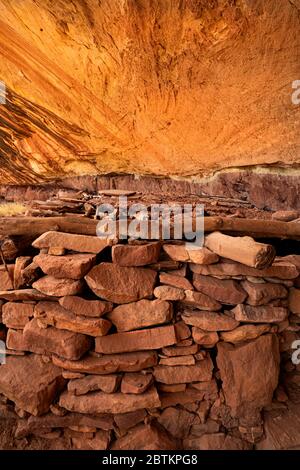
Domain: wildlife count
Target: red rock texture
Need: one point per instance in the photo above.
(141, 314)
(257, 385)
(121, 285)
(31, 383)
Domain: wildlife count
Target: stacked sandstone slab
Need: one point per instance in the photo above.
(149, 345)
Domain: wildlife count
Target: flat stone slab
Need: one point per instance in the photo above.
(260, 314)
(140, 340)
(209, 321)
(244, 333)
(175, 281)
(86, 308)
(72, 242)
(225, 291)
(121, 284)
(279, 269)
(51, 313)
(141, 314)
(136, 255)
(109, 363)
(197, 255)
(50, 421)
(262, 294)
(52, 286)
(199, 300)
(100, 402)
(65, 343)
(30, 383)
(92, 383)
(25, 294)
(136, 383)
(69, 266)
(202, 371)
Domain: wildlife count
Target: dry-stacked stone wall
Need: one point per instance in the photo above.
(148, 345)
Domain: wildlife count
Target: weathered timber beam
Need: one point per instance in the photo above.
(35, 226)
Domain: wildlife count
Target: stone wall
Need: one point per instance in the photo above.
(148, 345)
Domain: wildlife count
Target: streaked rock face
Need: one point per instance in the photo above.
(162, 88)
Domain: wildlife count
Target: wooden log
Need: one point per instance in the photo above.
(35, 226)
(244, 250)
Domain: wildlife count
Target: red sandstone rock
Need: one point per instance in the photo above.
(252, 368)
(154, 338)
(136, 255)
(136, 383)
(49, 285)
(110, 363)
(145, 437)
(244, 333)
(51, 313)
(6, 277)
(24, 294)
(281, 429)
(100, 402)
(169, 293)
(69, 266)
(125, 421)
(209, 389)
(66, 344)
(279, 269)
(180, 351)
(201, 371)
(21, 263)
(50, 421)
(100, 441)
(177, 421)
(207, 339)
(209, 427)
(294, 301)
(86, 308)
(15, 340)
(30, 383)
(209, 321)
(182, 331)
(16, 315)
(260, 314)
(217, 441)
(189, 396)
(201, 301)
(245, 250)
(187, 360)
(121, 284)
(73, 242)
(141, 314)
(91, 383)
(175, 281)
(261, 294)
(198, 255)
(225, 291)
(165, 265)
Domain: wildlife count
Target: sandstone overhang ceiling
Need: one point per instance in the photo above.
(158, 87)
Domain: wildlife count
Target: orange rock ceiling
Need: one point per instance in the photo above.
(157, 87)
